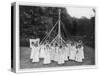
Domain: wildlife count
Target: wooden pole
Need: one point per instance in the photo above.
(59, 24)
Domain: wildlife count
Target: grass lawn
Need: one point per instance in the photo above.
(25, 61)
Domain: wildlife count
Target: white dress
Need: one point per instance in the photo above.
(35, 54)
(42, 51)
(32, 52)
(52, 53)
(56, 55)
(66, 54)
(69, 49)
(61, 56)
(80, 55)
(72, 53)
(47, 57)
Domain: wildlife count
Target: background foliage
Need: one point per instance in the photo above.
(36, 22)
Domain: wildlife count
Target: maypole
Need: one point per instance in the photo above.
(58, 38)
(59, 34)
(59, 28)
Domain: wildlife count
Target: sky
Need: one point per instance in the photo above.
(78, 12)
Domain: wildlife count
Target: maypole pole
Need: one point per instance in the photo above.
(59, 28)
(59, 24)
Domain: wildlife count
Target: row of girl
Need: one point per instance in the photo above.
(58, 54)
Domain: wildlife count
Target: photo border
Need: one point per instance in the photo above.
(17, 44)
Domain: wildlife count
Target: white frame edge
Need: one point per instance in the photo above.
(17, 46)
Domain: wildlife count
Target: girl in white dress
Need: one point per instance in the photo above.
(80, 54)
(47, 55)
(56, 54)
(69, 49)
(52, 53)
(35, 54)
(42, 52)
(66, 53)
(61, 56)
(32, 50)
(72, 52)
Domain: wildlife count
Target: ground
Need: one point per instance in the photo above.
(25, 61)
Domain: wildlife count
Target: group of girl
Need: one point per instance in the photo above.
(59, 54)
